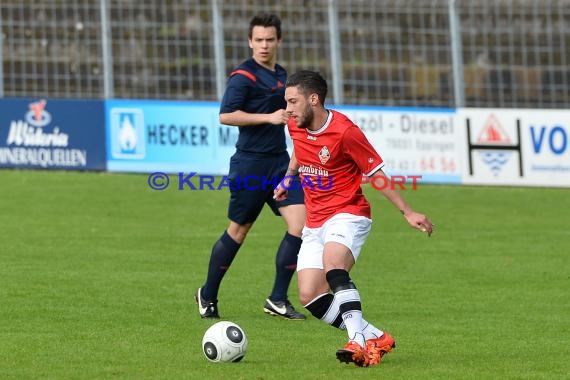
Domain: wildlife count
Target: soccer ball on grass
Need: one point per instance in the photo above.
(224, 342)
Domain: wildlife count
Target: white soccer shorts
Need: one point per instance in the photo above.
(346, 229)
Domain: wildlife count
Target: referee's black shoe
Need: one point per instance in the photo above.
(207, 309)
(282, 309)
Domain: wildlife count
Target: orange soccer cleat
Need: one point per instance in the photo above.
(353, 352)
(379, 347)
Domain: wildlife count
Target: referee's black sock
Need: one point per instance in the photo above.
(285, 264)
(223, 253)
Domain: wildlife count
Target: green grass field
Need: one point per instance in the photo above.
(98, 271)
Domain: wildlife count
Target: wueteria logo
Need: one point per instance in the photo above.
(31, 132)
(36, 141)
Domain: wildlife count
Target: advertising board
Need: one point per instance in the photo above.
(516, 147)
(52, 134)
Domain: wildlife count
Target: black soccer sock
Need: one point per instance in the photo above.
(286, 264)
(223, 253)
(339, 279)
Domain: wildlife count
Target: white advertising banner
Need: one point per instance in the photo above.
(528, 147)
(413, 141)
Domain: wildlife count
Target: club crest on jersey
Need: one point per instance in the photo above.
(324, 155)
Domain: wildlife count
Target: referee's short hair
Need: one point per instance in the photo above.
(265, 20)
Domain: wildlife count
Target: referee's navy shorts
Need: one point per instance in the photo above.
(252, 178)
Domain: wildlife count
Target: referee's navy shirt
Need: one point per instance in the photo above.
(253, 88)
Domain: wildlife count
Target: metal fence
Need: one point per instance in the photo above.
(485, 53)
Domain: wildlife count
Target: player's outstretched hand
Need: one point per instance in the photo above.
(419, 222)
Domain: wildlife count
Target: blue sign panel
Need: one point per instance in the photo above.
(52, 134)
(167, 136)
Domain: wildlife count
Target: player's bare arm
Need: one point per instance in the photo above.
(414, 219)
(244, 119)
(280, 192)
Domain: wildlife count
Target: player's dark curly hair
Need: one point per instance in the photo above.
(266, 20)
(309, 82)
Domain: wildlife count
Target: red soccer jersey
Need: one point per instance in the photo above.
(332, 161)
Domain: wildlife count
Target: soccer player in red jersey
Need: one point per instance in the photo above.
(331, 154)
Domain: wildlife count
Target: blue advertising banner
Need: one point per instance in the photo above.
(167, 136)
(52, 134)
(186, 137)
